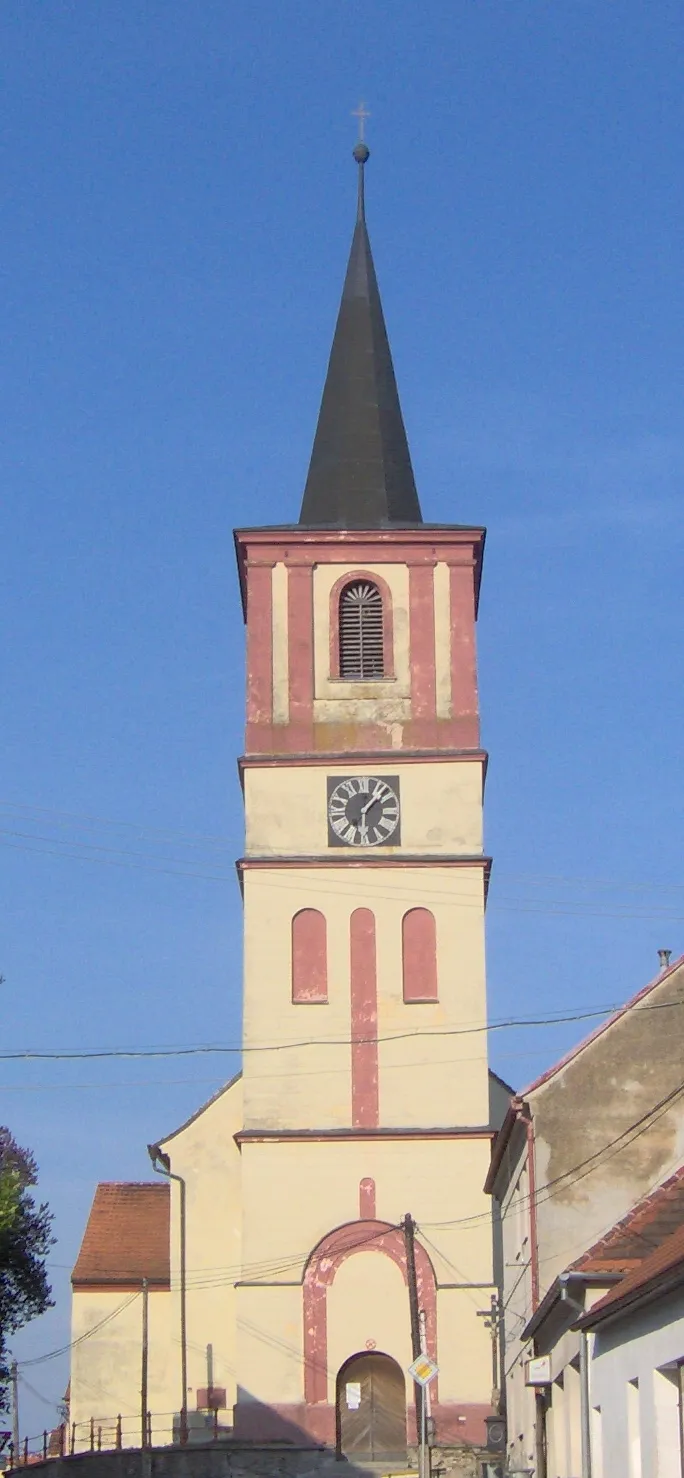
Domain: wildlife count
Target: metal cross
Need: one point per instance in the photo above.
(362, 115)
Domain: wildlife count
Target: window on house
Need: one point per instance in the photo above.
(361, 631)
(309, 958)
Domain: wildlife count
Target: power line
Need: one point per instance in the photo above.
(217, 1049)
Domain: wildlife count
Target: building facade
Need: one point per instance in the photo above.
(579, 1150)
(365, 1092)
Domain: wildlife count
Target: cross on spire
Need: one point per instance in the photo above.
(362, 115)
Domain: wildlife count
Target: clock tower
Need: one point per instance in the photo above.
(366, 1092)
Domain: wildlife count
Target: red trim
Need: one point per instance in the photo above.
(464, 702)
(309, 957)
(259, 645)
(245, 864)
(367, 1198)
(300, 642)
(364, 1020)
(384, 546)
(387, 622)
(329, 759)
(319, 1274)
(422, 640)
(419, 955)
(532, 1199)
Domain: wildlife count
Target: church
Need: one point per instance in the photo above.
(323, 1218)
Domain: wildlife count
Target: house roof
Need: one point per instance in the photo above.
(640, 1232)
(126, 1238)
(518, 1102)
(660, 1271)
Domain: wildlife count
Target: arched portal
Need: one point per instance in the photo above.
(371, 1408)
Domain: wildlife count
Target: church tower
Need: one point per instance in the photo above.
(277, 1255)
(366, 1093)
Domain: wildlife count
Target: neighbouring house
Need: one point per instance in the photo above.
(637, 1362)
(562, 1369)
(578, 1149)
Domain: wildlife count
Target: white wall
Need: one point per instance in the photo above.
(636, 1393)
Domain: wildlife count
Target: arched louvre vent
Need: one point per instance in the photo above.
(361, 643)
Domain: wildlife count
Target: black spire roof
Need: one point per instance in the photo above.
(360, 474)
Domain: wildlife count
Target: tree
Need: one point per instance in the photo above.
(25, 1239)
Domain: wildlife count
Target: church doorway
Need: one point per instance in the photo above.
(371, 1408)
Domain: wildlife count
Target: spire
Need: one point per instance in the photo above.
(360, 474)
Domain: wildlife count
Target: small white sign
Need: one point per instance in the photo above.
(423, 1370)
(538, 1371)
(352, 1393)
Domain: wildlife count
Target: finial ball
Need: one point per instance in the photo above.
(361, 152)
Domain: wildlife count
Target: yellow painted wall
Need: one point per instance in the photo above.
(106, 1365)
(303, 1082)
(316, 1186)
(441, 807)
(205, 1153)
(368, 1300)
(270, 1336)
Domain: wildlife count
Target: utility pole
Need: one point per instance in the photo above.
(14, 1382)
(408, 1227)
(143, 1372)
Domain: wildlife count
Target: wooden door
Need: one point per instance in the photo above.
(371, 1408)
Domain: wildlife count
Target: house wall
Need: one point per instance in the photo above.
(639, 1348)
(595, 1168)
(589, 1168)
(106, 1364)
(204, 1152)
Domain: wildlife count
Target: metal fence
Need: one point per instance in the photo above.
(108, 1433)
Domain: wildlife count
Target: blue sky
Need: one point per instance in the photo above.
(178, 202)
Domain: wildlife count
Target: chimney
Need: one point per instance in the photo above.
(664, 956)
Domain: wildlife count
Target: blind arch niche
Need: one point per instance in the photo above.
(419, 955)
(309, 958)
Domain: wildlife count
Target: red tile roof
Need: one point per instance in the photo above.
(643, 1229)
(126, 1238)
(655, 1273)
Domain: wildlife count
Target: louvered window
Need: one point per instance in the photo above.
(361, 635)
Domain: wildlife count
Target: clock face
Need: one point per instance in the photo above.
(363, 811)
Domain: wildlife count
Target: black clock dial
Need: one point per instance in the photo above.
(363, 811)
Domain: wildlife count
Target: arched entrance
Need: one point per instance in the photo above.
(371, 1408)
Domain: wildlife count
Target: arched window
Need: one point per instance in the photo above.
(309, 957)
(361, 631)
(419, 955)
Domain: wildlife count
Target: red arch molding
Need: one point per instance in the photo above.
(319, 1274)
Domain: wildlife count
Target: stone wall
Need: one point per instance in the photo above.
(237, 1460)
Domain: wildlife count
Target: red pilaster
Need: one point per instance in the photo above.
(300, 642)
(259, 644)
(422, 639)
(463, 659)
(364, 1021)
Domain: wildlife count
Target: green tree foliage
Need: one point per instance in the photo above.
(25, 1238)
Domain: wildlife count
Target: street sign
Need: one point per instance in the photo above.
(423, 1370)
